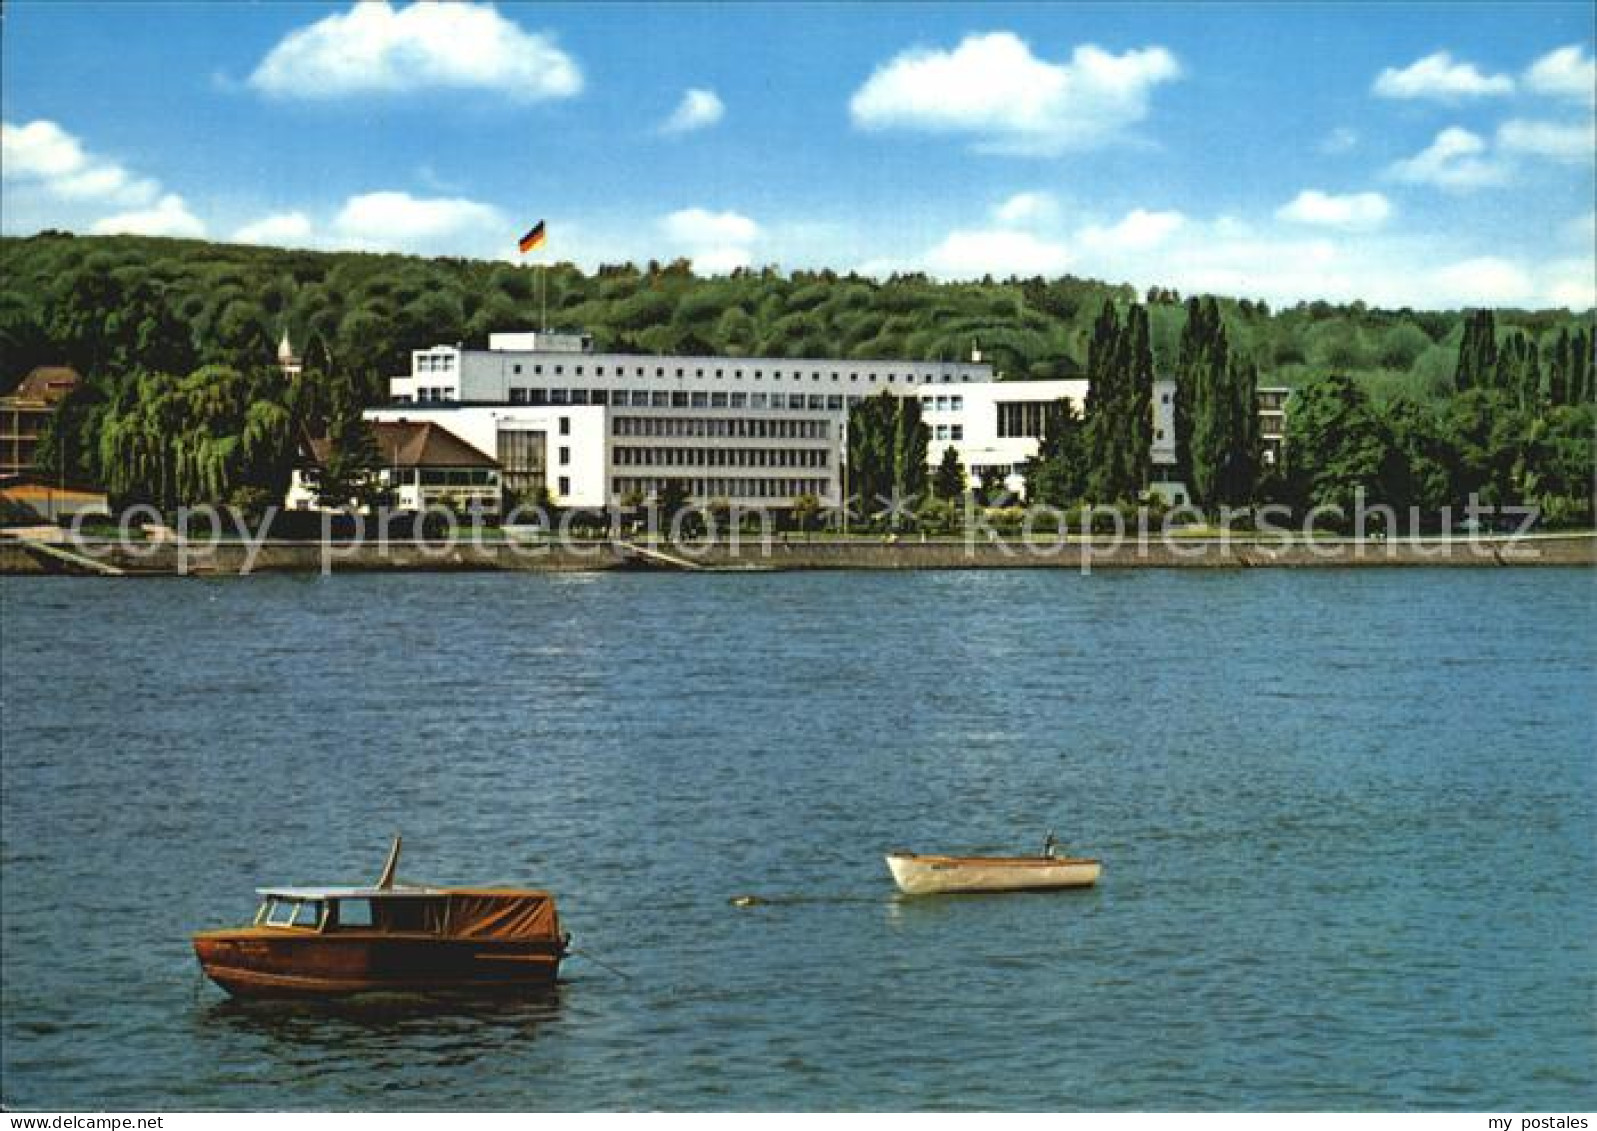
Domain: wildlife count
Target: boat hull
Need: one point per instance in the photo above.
(255, 962)
(916, 874)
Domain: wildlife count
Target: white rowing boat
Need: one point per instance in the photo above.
(918, 874)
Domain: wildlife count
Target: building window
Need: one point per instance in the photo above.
(565, 485)
(515, 368)
(565, 425)
(956, 432)
(956, 403)
(518, 396)
(565, 456)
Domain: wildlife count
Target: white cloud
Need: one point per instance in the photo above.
(993, 88)
(698, 225)
(1343, 139)
(169, 217)
(1457, 160)
(1440, 78)
(1571, 283)
(376, 48)
(1360, 210)
(996, 251)
(1574, 143)
(698, 109)
(1567, 72)
(43, 154)
(1487, 280)
(716, 242)
(399, 221)
(1138, 230)
(1027, 208)
(1282, 262)
(283, 229)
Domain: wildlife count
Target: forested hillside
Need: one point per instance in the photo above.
(172, 305)
(183, 402)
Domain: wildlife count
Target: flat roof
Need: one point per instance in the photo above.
(400, 892)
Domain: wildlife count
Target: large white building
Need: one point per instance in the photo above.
(599, 428)
(596, 428)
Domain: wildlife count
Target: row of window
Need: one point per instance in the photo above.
(721, 457)
(732, 489)
(757, 429)
(737, 374)
(678, 398)
(445, 477)
(434, 394)
(435, 363)
(1024, 419)
(944, 404)
(948, 432)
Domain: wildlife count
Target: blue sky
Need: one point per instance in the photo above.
(1428, 155)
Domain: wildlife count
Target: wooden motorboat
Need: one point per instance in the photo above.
(331, 941)
(924, 874)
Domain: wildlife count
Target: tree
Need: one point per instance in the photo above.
(1119, 404)
(887, 442)
(805, 509)
(350, 474)
(1335, 445)
(1058, 474)
(995, 485)
(671, 500)
(1477, 353)
(1241, 452)
(949, 482)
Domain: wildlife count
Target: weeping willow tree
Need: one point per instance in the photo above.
(203, 438)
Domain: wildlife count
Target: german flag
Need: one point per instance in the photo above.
(533, 238)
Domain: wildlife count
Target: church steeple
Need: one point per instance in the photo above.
(287, 360)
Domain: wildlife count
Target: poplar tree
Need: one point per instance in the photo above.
(1477, 353)
(949, 482)
(1119, 403)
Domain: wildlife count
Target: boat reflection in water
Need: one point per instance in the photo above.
(394, 938)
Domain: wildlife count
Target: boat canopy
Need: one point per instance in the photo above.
(471, 913)
(492, 914)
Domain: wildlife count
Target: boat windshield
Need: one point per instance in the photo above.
(277, 911)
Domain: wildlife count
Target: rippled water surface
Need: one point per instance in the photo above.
(1346, 819)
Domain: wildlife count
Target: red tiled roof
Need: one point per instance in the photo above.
(413, 444)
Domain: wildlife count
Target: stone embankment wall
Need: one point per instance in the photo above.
(274, 557)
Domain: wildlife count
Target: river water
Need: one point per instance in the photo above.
(1346, 818)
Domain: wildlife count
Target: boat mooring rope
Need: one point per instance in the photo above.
(622, 974)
